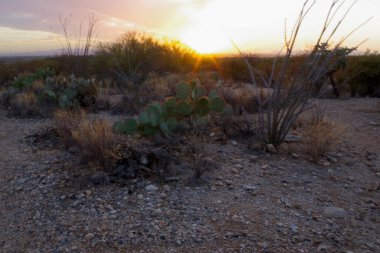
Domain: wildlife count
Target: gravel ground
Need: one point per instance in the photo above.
(255, 201)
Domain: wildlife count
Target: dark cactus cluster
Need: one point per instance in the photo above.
(191, 105)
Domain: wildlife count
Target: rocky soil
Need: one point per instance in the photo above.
(254, 201)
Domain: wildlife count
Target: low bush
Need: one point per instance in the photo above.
(320, 135)
(65, 122)
(24, 104)
(41, 93)
(96, 140)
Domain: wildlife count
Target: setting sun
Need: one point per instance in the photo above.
(205, 40)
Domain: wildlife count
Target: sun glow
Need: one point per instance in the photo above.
(211, 26)
(206, 40)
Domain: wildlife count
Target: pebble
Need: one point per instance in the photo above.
(89, 236)
(249, 187)
(166, 188)
(294, 228)
(151, 188)
(336, 212)
(326, 164)
(271, 148)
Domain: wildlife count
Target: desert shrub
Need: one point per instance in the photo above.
(320, 137)
(365, 70)
(294, 89)
(24, 104)
(134, 55)
(65, 122)
(96, 140)
(50, 92)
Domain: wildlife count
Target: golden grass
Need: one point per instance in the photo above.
(321, 137)
(24, 104)
(96, 140)
(65, 122)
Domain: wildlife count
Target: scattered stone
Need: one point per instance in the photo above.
(89, 236)
(322, 248)
(295, 156)
(335, 212)
(229, 182)
(249, 187)
(294, 228)
(332, 159)
(234, 143)
(326, 164)
(280, 224)
(151, 188)
(140, 196)
(271, 149)
(166, 188)
(253, 158)
(262, 244)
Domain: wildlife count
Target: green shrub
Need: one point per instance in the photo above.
(133, 56)
(366, 72)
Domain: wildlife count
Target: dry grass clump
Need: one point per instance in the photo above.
(320, 137)
(96, 140)
(24, 104)
(65, 121)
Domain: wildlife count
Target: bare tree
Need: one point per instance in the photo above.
(77, 44)
(292, 93)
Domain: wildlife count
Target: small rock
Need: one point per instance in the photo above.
(229, 182)
(151, 188)
(88, 192)
(271, 149)
(351, 178)
(322, 248)
(332, 159)
(262, 244)
(140, 196)
(89, 236)
(294, 228)
(167, 188)
(234, 143)
(249, 187)
(335, 212)
(253, 158)
(219, 201)
(295, 156)
(326, 164)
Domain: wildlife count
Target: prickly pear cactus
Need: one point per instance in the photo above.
(190, 104)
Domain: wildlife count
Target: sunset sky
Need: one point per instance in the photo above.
(206, 25)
